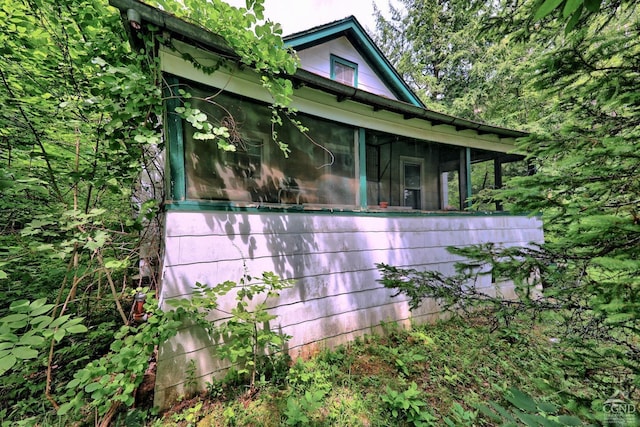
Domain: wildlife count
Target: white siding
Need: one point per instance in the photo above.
(316, 60)
(332, 257)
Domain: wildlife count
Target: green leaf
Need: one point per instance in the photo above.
(37, 303)
(19, 306)
(546, 8)
(99, 61)
(64, 408)
(13, 318)
(41, 310)
(76, 329)
(60, 320)
(571, 24)
(59, 334)
(41, 321)
(488, 412)
(521, 401)
(569, 420)
(571, 6)
(547, 407)
(90, 388)
(31, 340)
(24, 352)
(8, 337)
(7, 362)
(116, 264)
(592, 5)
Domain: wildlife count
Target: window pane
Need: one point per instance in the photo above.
(343, 73)
(412, 175)
(412, 198)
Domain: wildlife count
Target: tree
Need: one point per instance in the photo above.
(444, 51)
(586, 187)
(80, 121)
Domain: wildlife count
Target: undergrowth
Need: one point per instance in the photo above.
(454, 373)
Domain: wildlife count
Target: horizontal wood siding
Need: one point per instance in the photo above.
(316, 60)
(332, 259)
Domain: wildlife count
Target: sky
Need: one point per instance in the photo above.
(298, 15)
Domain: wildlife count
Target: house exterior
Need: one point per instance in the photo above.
(378, 178)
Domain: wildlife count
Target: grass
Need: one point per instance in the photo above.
(448, 373)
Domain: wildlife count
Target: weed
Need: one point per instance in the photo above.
(460, 417)
(408, 406)
(190, 381)
(299, 409)
(215, 390)
(190, 416)
(246, 339)
(528, 411)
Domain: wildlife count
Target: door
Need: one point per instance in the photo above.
(412, 183)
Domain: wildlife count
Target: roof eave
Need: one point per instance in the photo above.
(408, 111)
(213, 42)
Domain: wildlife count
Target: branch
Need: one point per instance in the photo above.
(50, 171)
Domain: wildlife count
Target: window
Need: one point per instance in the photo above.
(344, 71)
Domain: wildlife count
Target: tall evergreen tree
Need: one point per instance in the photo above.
(585, 148)
(444, 51)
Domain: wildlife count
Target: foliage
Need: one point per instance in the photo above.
(29, 326)
(309, 385)
(258, 44)
(408, 406)
(585, 277)
(528, 411)
(443, 51)
(465, 366)
(247, 339)
(300, 408)
(190, 416)
(111, 380)
(81, 119)
(460, 416)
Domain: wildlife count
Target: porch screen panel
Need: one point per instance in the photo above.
(320, 168)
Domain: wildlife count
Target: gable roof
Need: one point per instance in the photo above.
(351, 29)
(202, 38)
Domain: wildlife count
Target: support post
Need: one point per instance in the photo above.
(362, 166)
(175, 142)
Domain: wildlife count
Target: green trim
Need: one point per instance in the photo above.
(337, 60)
(175, 143)
(223, 206)
(362, 157)
(369, 49)
(467, 169)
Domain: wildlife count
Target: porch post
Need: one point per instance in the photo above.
(497, 178)
(465, 178)
(362, 167)
(175, 143)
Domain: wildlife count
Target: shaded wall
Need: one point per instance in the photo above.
(331, 256)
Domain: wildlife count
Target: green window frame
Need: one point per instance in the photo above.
(339, 67)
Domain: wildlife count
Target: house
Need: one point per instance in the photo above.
(378, 178)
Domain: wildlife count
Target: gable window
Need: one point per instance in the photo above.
(344, 71)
